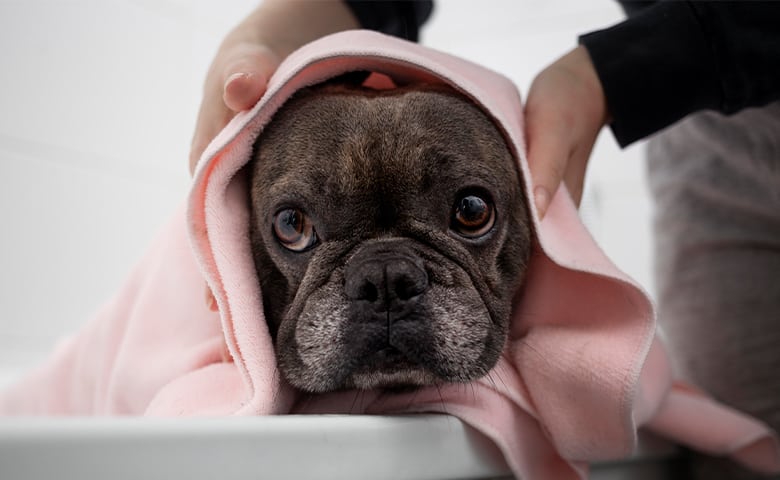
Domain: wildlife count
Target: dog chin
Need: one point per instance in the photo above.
(397, 381)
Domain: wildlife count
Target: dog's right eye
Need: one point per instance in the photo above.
(294, 230)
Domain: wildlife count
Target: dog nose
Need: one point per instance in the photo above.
(385, 281)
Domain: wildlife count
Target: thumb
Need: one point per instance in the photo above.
(233, 84)
(248, 69)
(564, 114)
(548, 156)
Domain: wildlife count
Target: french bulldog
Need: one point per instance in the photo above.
(390, 234)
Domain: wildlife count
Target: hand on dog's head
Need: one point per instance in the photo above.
(390, 234)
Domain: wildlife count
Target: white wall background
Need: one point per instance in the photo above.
(97, 105)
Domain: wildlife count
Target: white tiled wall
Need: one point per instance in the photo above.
(97, 105)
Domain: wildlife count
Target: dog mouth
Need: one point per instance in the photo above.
(386, 360)
(390, 370)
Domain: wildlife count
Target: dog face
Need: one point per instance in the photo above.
(390, 233)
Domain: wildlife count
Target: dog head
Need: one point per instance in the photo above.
(390, 234)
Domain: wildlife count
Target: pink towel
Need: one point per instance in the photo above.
(583, 368)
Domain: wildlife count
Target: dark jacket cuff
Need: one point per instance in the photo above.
(655, 68)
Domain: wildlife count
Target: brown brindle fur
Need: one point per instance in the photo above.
(378, 173)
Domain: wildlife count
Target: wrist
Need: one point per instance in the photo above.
(284, 26)
(580, 65)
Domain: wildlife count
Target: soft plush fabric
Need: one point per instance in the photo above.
(583, 368)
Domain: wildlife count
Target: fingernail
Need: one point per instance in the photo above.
(232, 78)
(542, 200)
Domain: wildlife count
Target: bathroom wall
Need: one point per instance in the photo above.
(98, 100)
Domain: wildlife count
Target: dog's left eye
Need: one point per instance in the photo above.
(294, 230)
(473, 216)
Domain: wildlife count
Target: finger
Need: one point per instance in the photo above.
(249, 68)
(548, 156)
(577, 166)
(212, 117)
(236, 86)
(574, 178)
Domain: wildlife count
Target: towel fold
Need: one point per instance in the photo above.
(582, 371)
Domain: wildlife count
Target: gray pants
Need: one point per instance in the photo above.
(716, 185)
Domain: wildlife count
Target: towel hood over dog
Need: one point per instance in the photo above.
(582, 370)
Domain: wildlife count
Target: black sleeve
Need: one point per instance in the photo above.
(398, 18)
(675, 58)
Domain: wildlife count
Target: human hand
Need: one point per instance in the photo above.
(250, 54)
(564, 113)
